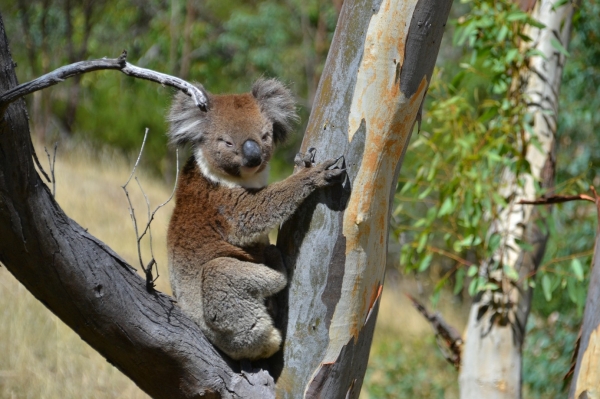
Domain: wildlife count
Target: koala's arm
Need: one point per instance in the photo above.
(257, 212)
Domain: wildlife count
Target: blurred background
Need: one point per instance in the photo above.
(98, 120)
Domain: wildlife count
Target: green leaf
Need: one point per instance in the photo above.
(547, 287)
(559, 47)
(517, 16)
(498, 199)
(473, 287)
(494, 242)
(536, 52)
(511, 273)
(488, 286)
(472, 270)
(525, 246)
(459, 281)
(447, 207)
(572, 290)
(559, 4)
(425, 193)
(425, 262)
(502, 34)
(577, 269)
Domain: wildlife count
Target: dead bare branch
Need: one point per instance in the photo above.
(452, 341)
(59, 75)
(150, 279)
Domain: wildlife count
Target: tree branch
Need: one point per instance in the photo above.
(59, 75)
(558, 199)
(451, 338)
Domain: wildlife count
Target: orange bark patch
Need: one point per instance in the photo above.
(589, 370)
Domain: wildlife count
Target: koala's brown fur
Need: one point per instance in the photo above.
(221, 264)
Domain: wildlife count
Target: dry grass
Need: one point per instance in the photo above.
(405, 361)
(40, 357)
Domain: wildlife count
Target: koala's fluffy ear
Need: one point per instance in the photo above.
(277, 103)
(187, 122)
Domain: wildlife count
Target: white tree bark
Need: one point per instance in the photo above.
(491, 358)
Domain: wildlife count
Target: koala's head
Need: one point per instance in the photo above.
(234, 140)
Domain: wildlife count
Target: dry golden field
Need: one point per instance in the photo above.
(42, 358)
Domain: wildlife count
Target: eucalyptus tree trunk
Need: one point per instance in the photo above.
(491, 358)
(586, 377)
(585, 383)
(370, 95)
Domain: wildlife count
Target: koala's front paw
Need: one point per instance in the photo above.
(330, 172)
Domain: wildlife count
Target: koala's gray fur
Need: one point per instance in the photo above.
(221, 264)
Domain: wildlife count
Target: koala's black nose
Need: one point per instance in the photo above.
(252, 153)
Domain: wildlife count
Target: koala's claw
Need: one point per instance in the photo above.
(334, 175)
(339, 163)
(311, 154)
(305, 160)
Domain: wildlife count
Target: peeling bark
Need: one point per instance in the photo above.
(491, 359)
(371, 92)
(585, 383)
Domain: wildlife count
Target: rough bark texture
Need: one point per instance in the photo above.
(586, 377)
(491, 359)
(93, 290)
(375, 79)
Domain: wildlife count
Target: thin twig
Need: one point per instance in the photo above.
(170, 197)
(131, 208)
(150, 280)
(557, 199)
(52, 162)
(59, 75)
(451, 338)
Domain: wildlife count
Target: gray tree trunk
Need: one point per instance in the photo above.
(373, 86)
(491, 357)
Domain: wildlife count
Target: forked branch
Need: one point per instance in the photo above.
(78, 68)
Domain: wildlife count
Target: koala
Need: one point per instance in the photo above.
(222, 268)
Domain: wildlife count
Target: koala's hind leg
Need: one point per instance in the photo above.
(235, 315)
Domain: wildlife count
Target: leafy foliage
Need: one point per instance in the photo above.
(474, 134)
(547, 354)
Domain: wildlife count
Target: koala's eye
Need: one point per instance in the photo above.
(227, 143)
(265, 137)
